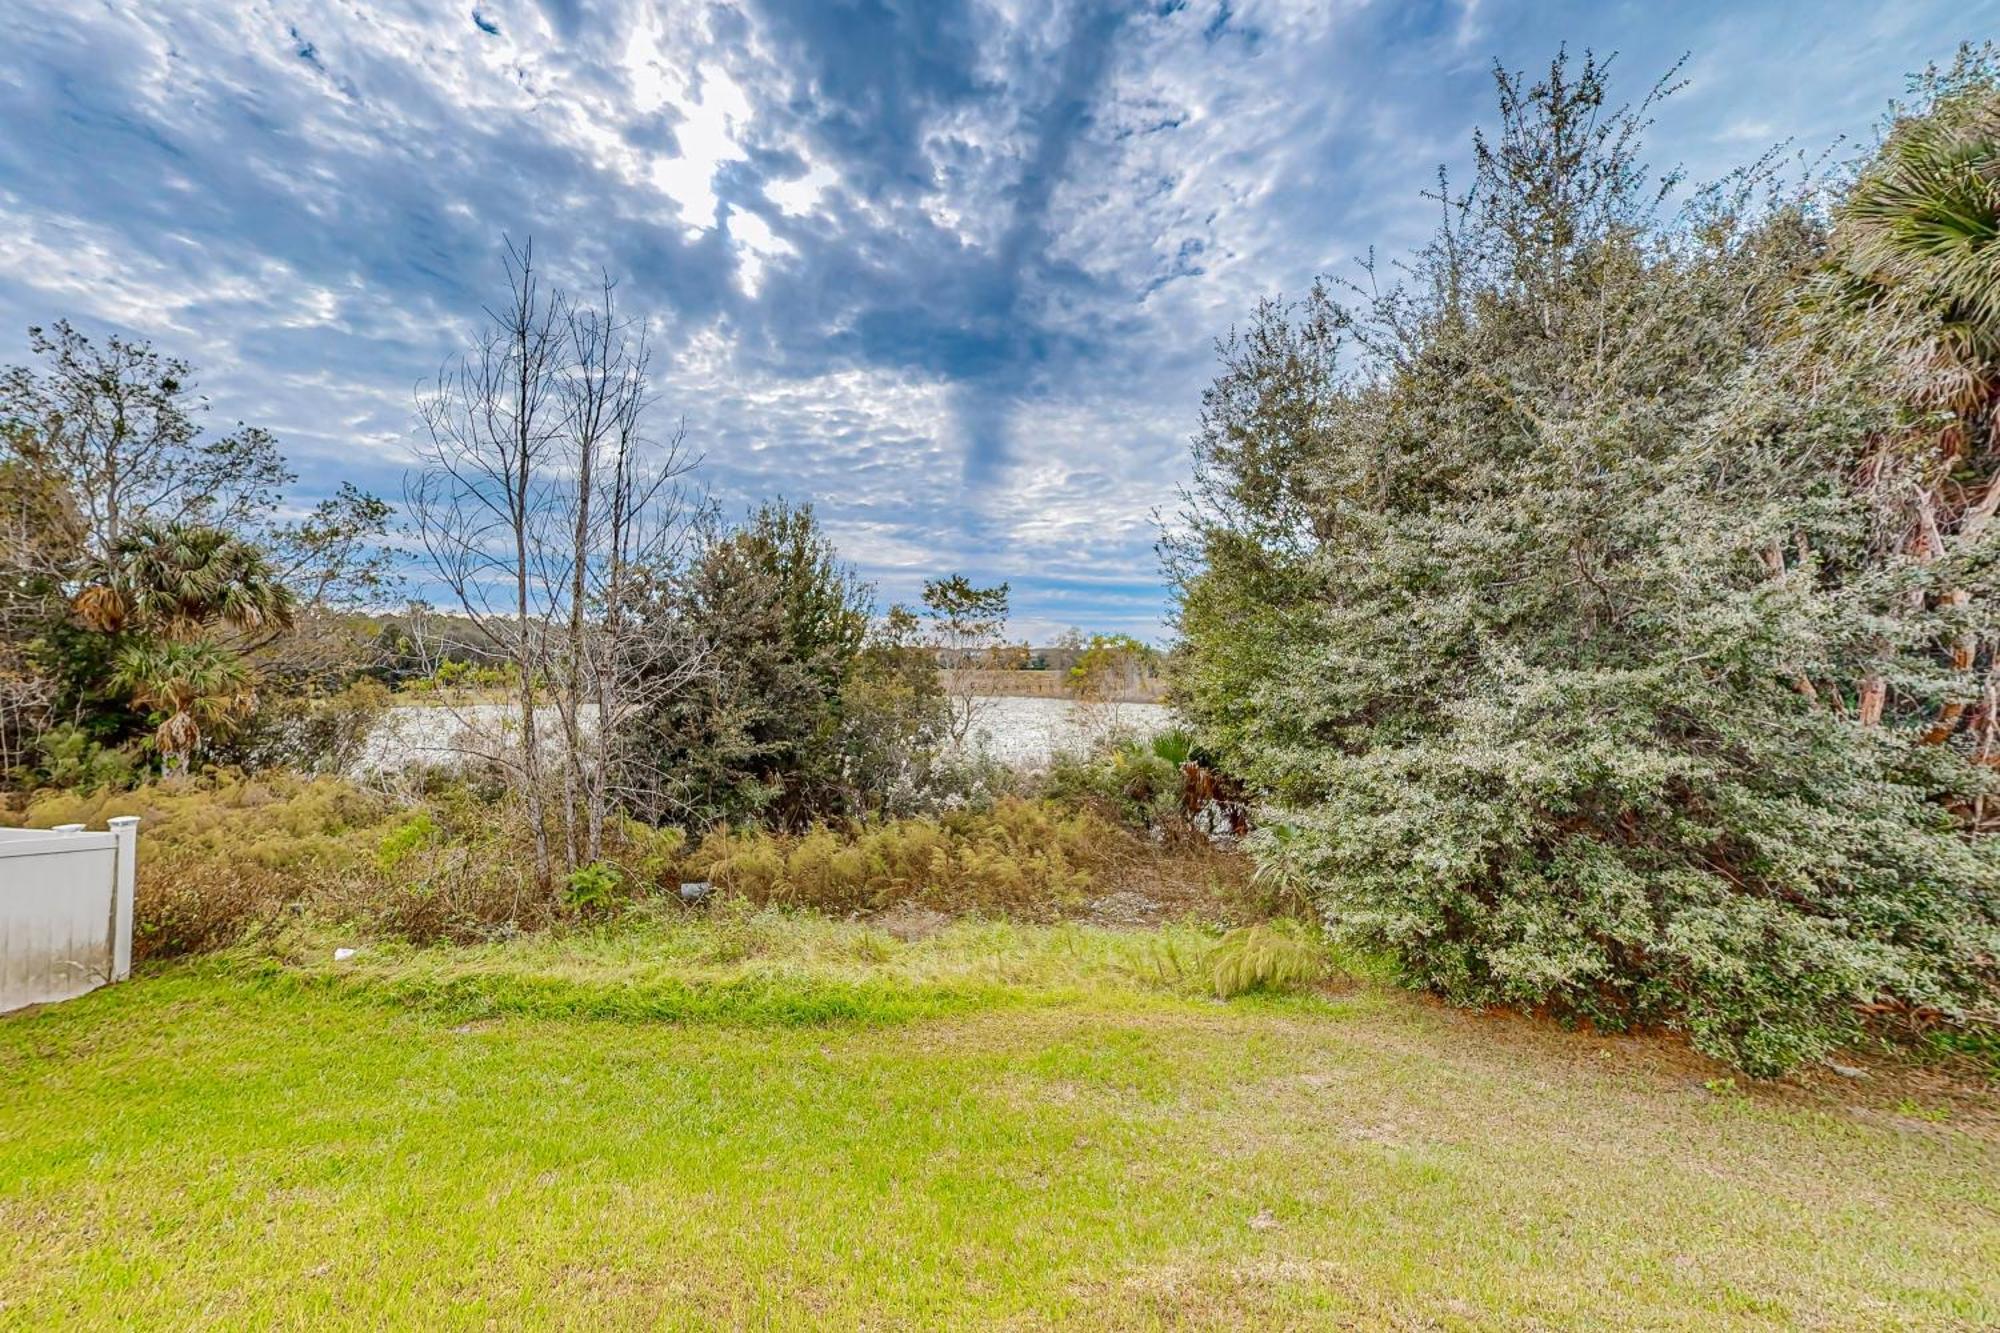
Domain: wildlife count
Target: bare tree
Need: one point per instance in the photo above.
(539, 497)
(629, 515)
(481, 500)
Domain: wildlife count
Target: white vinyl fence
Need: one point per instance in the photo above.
(65, 910)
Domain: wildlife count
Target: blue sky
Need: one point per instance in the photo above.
(950, 271)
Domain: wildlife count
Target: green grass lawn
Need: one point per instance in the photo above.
(775, 1121)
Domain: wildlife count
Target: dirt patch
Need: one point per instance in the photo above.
(1125, 907)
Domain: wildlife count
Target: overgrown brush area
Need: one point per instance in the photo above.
(236, 857)
(1034, 859)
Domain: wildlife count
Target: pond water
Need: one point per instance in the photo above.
(1020, 732)
(1027, 733)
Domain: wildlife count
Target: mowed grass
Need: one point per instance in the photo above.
(783, 1122)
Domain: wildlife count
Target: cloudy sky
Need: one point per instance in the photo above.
(950, 271)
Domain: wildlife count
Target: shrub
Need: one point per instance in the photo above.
(419, 830)
(1135, 780)
(190, 903)
(70, 757)
(593, 888)
(1175, 745)
(650, 855)
(278, 821)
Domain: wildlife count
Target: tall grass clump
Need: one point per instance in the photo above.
(1036, 858)
(1273, 956)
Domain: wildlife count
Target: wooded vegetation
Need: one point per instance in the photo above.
(1595, 611)
(1604, 601)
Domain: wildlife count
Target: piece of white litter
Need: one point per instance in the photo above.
(342, 955)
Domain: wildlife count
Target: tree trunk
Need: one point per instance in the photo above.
(1874, 693)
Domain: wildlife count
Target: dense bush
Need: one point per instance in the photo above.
(68, 756)
(783, 622)
(1138, 779)
(895, 721)
(1568, 596)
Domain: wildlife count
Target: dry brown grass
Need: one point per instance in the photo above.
(229, 858)
(1033, 860)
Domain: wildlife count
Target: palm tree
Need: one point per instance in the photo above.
(162, 587)
(195, 683)
(1916, 246)
(175, 580)
(1920, 232)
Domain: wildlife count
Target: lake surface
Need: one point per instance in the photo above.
(1027, 733)
(1019, 732)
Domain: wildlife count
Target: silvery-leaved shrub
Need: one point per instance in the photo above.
(1603, 609)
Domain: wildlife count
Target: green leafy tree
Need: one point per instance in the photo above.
(781, 621)
(894, 719)
(1538, 590)
(1107, 665)
(117, 422)
(40, 540)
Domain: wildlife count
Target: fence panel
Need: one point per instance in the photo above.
(65, 911)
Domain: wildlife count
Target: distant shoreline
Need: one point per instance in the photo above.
(1050, 684)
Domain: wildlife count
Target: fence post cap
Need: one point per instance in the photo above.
(120, 821)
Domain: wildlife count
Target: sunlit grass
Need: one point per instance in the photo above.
(775, 1119)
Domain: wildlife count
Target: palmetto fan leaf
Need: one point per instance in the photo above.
(197, 683)
(102, 607)
(1920, 234)
(174, 580)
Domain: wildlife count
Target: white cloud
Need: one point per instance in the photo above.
(799, 194)
(856, 279)
(714, 111)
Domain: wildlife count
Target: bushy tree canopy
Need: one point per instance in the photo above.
(783, 621)
(1550, 590)
(145, 571)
